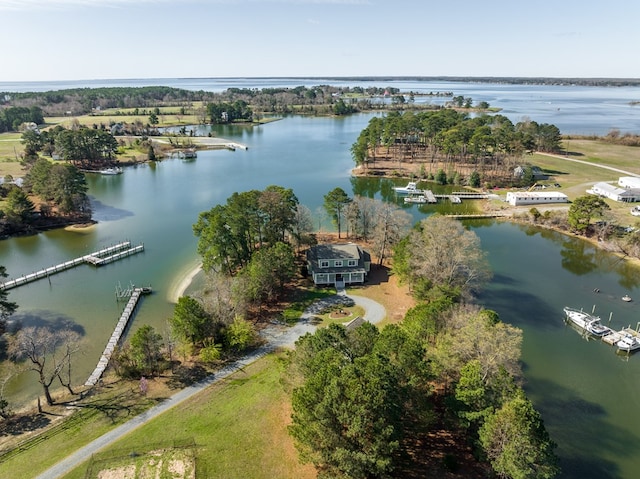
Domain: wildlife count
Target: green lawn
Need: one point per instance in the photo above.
(119, 403)
(238, 425)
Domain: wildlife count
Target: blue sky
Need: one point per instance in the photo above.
(104, 39)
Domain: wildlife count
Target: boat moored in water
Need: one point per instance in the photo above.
(111, 171)
(587, 322)
(412, 187)
(420, 199)
(628, 342)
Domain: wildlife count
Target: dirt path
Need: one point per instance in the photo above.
(276, 336)
(561, 157)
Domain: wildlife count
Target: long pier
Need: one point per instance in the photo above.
(126, 315)
(474, 216)
(97, 258)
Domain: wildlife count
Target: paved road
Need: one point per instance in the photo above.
(277, 336)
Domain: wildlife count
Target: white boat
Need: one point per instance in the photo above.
(421, 199)
(412, 187)
(626, 298)
(111, 171)
(628, 342)
(587, 322)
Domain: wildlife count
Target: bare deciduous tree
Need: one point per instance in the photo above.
(46, 352)
(443, 255)
(390, 225)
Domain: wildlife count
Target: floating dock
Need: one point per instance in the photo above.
(458, 196)
(126, 315)
(612, 338)
(474, 216)
(97, 258)
(424, 196)
(427, 196)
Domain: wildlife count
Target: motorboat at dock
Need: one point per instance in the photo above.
(629, 340)
(587, 322)
(411, 188)
(425, 196)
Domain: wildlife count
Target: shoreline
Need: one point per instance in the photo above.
(181, 282)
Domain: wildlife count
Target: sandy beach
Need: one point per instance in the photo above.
(183, 280)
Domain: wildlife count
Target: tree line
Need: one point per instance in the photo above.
(489, 145)
(60, 191)
(320, 99)
(12, 118)
(81, 101)
(88, 148)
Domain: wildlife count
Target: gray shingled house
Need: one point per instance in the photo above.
(338, 263)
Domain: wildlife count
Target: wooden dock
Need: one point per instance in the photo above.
(612, 338)
(474, 216)
(98, 261)
(458, 196)
(97, 258)
(126, 315)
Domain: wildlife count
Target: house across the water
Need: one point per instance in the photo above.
(331, 264)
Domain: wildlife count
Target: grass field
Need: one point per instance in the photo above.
(118, 402)
(575, 178)
(239, 427)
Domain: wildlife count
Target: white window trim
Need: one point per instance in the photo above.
(352, 262)
(337, 263)
(323, 263)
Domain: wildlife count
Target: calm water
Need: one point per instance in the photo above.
(588, 395)
(574, 109)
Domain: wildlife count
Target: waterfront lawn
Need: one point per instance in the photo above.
(118, 402)
(239, 426)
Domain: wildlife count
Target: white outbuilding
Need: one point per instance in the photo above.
(629, 182)
(523, 198)
(615, 193)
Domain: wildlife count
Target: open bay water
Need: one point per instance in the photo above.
(575, 109)
(588, 394)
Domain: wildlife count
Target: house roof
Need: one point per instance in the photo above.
(337, 251)
(537, 194)
(611, 189)
(629, 182)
